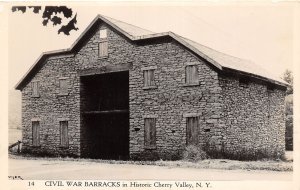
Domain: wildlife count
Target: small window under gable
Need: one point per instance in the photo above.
(63, 86)
(36, 89)
(103, 49)
(103, 44)
(191, 74)
(103, 33)
(150, 133)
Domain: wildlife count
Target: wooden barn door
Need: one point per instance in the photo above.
(35, 133)
(192, 130)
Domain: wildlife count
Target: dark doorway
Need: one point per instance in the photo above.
(105, 115)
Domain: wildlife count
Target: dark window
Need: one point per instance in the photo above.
(150, 133)
(270, 88)
(192, 130)
(64, 141)
(35, 89)
(191, 74)
(244, 82)
(103, 48)
(63, 86)
(149, 78)
(35, 133)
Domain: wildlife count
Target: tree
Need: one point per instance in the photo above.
(289, 122)
(288, 77)
(50, 14)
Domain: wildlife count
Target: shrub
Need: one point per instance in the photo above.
(194, 153)
(289, 122)
(44, 153)
(145, 155)
(246, 154)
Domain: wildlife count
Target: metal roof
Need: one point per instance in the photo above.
(235, 63)
(134, 33)
(129, 28)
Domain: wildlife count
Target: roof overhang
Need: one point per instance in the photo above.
(81, 39)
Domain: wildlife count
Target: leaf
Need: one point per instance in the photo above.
(56, 20)
(50, 14)
(70, 26)
(19, 8)
(36, 9)
(45, 22)
(50, 10)
(66, 11)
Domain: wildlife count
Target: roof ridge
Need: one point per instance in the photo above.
(135, 33)
(107, 17)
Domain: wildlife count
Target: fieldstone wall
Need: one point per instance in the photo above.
(170, 100)
(225, 119)
(51, 107)
(254, 119)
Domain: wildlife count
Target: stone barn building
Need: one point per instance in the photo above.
(123, 92)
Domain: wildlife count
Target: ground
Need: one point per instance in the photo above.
(210, 169)
(40, 169)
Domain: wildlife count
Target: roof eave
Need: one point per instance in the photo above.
(73, 47)
(44, 55)
(213, 62)
(41, 58)
(285, 85)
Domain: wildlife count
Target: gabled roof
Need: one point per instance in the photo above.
(234, 63)
(219, 60)
(128, 28)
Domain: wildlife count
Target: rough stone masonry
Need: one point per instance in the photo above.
(236, 112)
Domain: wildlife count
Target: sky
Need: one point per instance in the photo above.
(262, 33)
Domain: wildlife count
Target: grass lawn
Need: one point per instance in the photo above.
(225, 164)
